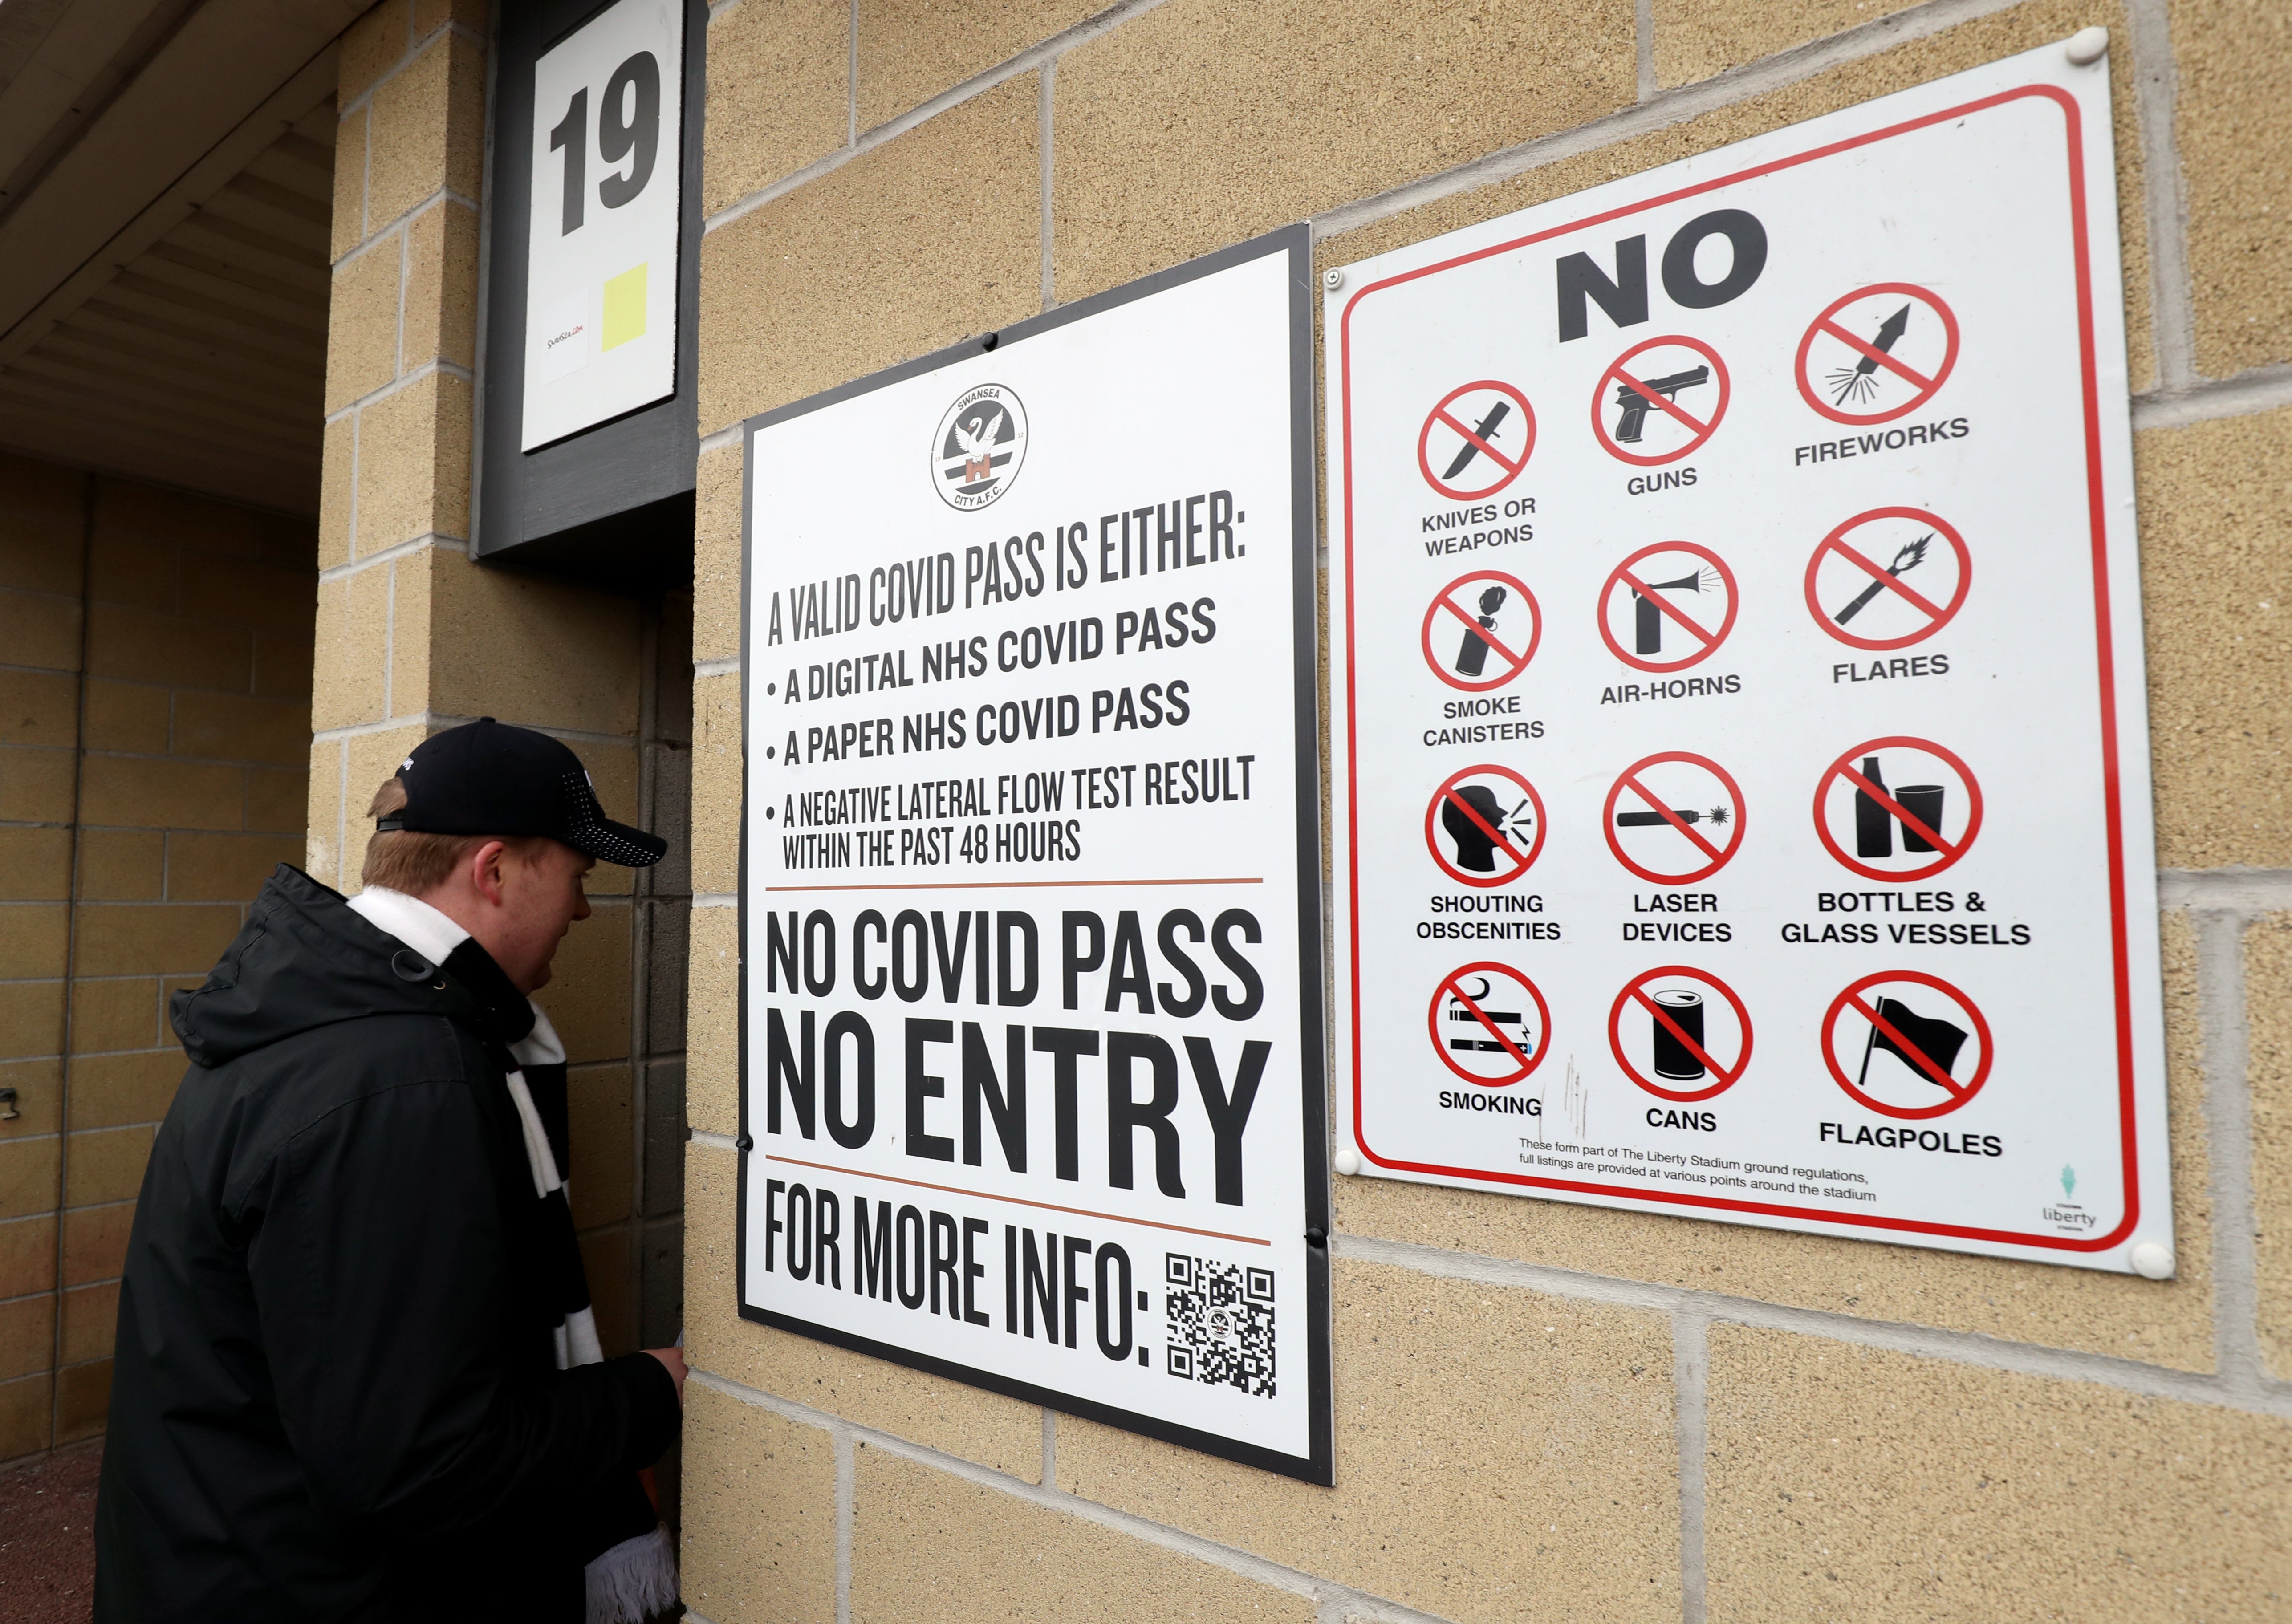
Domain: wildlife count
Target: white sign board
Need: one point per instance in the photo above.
(1743, 799)
(602, 239)
(1031, 1088)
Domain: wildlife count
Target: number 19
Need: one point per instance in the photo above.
(619, 130)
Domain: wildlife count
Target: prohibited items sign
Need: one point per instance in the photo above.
(1879, 353)
(1888, 578)
(1674, 819)
(1906, 1044)
(1485, 826)
(1661, 400)
(1897, 809)
(1679, 1033)
(1476, 440)
(1481, 630)
(1489, 1025)
(1668, 606)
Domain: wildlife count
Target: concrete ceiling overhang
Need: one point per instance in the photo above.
(166, 187)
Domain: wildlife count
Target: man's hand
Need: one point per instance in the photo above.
(671, 1360)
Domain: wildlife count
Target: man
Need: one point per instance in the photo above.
(355, 1376)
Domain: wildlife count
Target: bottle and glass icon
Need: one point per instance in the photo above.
(1874, 822)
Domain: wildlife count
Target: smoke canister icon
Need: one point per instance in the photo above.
(1674, 1061)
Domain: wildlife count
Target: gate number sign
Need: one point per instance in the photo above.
(601, 244)
(1735, 630)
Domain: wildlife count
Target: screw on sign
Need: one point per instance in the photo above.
(1659, 400)
(1476, 440)
(1878, 354)
(1489, 1025)
(1905, 808)
(1906, 1044)
(1888, 578)
(1668, 606)
(1674, 819)
(1680, 1033)
(1485, 826)
(1481, 630)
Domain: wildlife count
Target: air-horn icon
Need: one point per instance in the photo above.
(1647, 619)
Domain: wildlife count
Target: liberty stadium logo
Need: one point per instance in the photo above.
(981, 445)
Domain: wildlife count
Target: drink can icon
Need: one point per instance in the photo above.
(1674, 1060)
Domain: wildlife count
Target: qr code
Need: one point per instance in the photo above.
(1221, 1323)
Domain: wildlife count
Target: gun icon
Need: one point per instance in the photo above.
(1635, 403)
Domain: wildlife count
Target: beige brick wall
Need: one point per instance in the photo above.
(1544, 1411)
(414, 637)
(145, 794)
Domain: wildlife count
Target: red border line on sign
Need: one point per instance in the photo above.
(1891, 583)
(1876, 792)
(1709, 639)
(2097, 530)
(1631, 782)
(1876, 355)
(984, 1195)
(1925, 1060)
(1677, 1030)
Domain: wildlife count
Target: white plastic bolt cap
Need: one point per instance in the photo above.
(1332, 279)
(1348, 1164)
(2153, 1260)
(2088, 46)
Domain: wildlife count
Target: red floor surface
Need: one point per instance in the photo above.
(47, 1552)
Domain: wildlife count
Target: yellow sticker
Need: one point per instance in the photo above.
(625, 308)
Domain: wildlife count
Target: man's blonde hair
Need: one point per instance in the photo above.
(415, 863)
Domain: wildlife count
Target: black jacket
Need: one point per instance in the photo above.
(334, 1393)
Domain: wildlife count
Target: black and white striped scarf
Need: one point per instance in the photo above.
(636, 1578)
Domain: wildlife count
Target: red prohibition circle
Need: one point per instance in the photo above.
(1931, 387)
(1600, 396)
(1940, 615)
(1838, 1006)
(1457, 616)
(1945, 854)
(1543, 1021)
(1654, 877)
(1512, 470)
(1464, 877)
(1711, 640)
(1629, 995)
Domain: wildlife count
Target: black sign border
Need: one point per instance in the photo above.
(1318, 1467)
(613, 502)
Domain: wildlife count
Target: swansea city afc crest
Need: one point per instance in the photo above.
(981, 442)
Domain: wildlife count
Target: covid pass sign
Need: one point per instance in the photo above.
(1760, 808)
(1032, 1041)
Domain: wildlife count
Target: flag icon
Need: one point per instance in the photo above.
(1929, 1045)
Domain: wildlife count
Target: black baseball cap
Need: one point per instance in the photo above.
(485, 778)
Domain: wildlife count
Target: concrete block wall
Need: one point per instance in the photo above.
(1544, 1411)
(414, 637)
(154, 676)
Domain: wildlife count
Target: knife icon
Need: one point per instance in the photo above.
(1485, 431)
